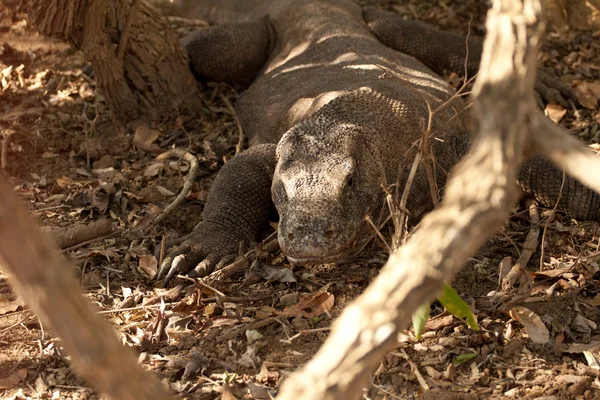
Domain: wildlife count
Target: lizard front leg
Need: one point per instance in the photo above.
(237, 209)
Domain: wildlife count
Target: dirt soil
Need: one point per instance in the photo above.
(539, 334)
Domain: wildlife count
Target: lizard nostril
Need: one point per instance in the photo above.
(330, 234)
(290, 236)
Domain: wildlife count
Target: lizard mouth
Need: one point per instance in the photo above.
(318, 260)
(324, 259)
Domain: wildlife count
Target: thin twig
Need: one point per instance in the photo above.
(428, 158)
(400, 216)
(415, 369)
(187, 185)
(270, 245)
(531, 241)
(378, 232)
(82, 244)
(467, 49)
(562, 185)
(142, 307)
(236, 332)
(305, 332)
(88, 131)
(161, 256)
(200, 282)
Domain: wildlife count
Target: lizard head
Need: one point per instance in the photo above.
(326, 182)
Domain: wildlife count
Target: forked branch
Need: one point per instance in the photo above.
(478, 198)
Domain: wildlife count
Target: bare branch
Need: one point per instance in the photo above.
(566, 152)
(46, 281)
(478, 198)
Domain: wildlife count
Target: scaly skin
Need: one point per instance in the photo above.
(336, 88)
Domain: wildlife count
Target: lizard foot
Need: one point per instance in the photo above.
(551, 89)
(209, 247)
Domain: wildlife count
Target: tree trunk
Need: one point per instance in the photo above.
(140, 67)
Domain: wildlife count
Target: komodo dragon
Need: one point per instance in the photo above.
(335, 108)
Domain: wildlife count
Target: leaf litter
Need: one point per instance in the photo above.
(235, 341)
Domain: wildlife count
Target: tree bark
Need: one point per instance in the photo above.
(140, 67)
(478, 198)
(46, 283)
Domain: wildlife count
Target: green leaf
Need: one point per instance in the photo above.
(457, 306)
(463, 358)
(419, 319)
(230, 377)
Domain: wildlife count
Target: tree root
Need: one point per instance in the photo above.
(532, 239)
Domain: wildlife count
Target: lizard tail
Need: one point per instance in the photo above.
(543, 181)
(215, 11)
(547, 184)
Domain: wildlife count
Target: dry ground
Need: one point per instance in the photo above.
(73, 165)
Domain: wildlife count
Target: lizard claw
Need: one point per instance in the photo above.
(199, 253)
(552, 90)
(172, 270)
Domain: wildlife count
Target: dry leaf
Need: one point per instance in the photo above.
(152, 170)
(252, 335)
(581, 347)
(13, 379)
(201, 195)
(591, 360)
(271, 273)
(434, 324)
(164, 191)
(64, 182)
(432, 372)
(555, 112)
(144, 138)
(9, 306)
(535, 328)
(156, 331)
(148, 264)
(552, 273)
(145, 135)
(249, 358)
(595, 301)
(227, 395)
(588, 94)
(311, 305)
(260, 392)
(126, 292)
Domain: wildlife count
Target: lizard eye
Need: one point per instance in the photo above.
(350, 169)
(279, 193)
